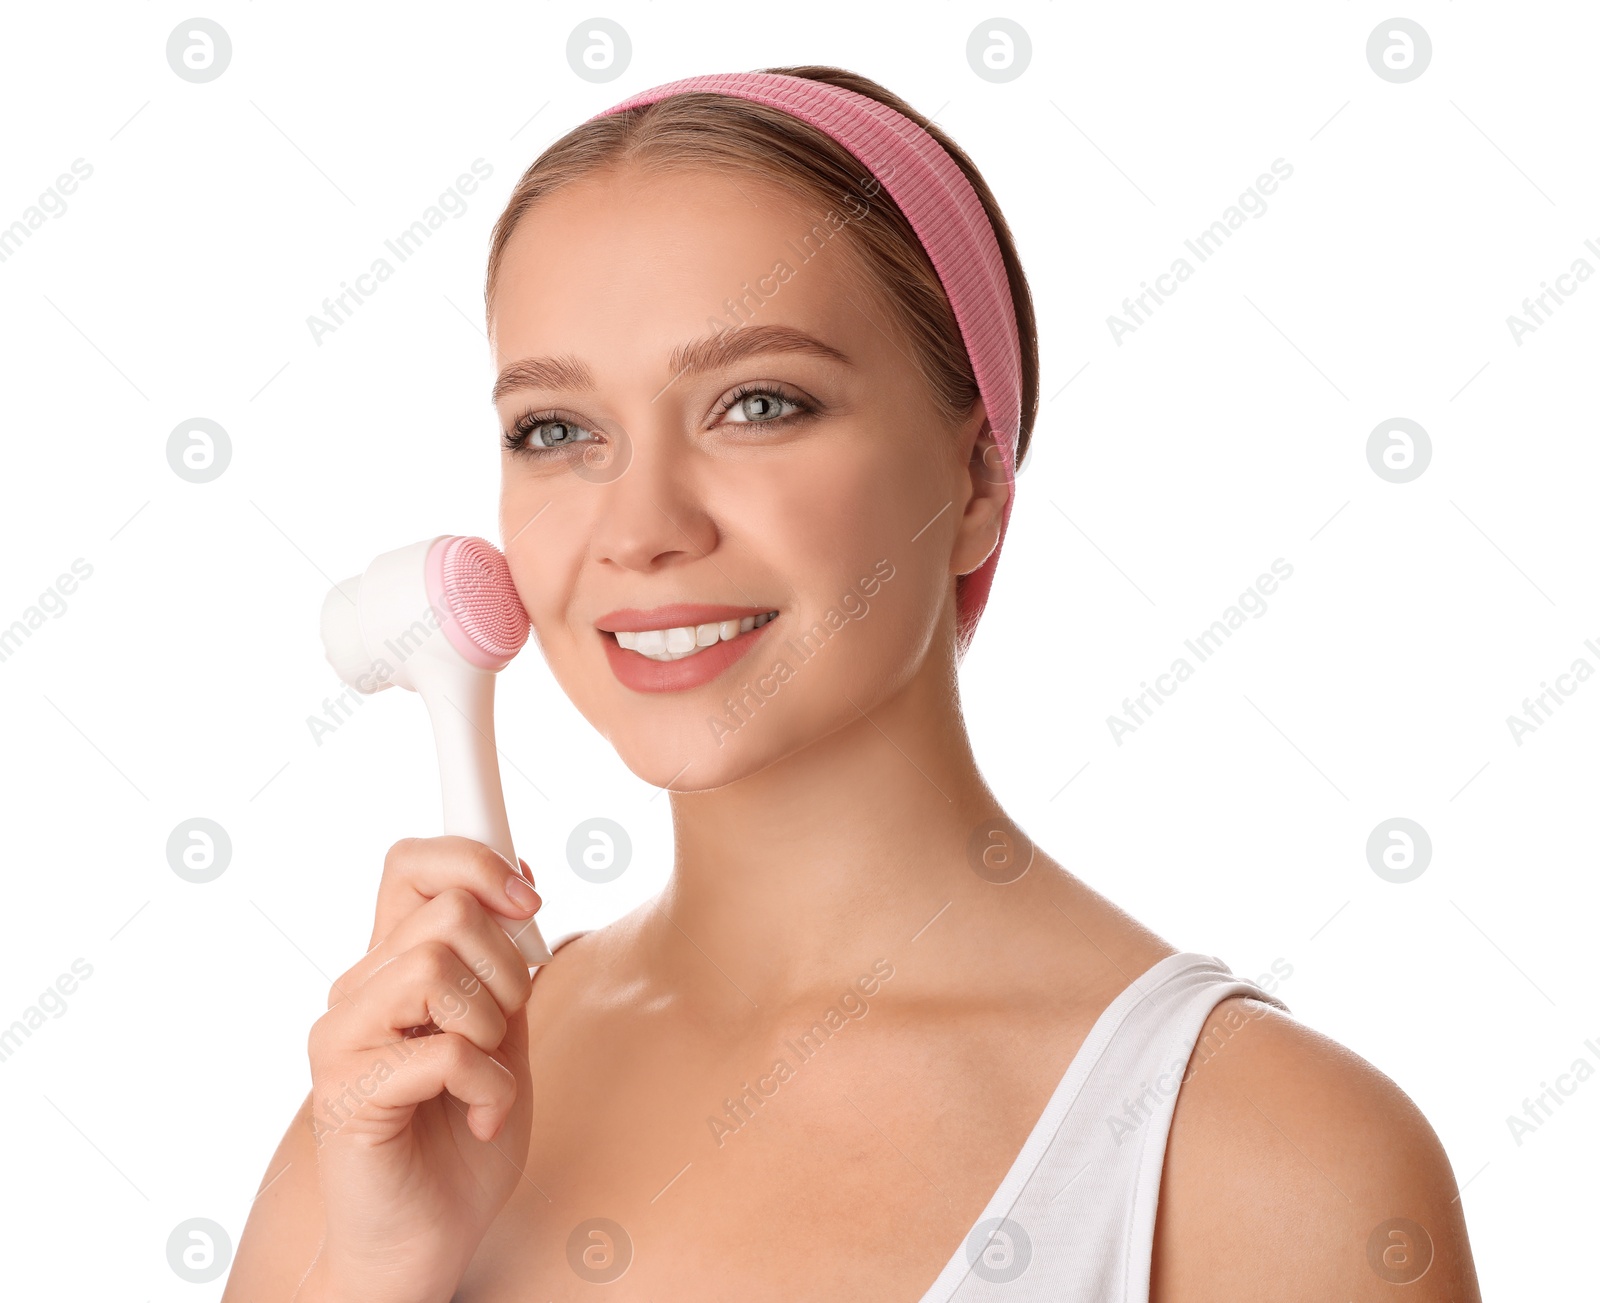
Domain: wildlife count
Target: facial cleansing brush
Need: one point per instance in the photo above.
(441, 618)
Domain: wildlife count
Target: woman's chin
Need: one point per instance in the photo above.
(702, 767)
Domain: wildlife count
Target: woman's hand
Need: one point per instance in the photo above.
(412, 1176)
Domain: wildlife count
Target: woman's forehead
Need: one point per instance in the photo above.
(616, 260)
(707, 231)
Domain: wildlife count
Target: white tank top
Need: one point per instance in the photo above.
(1074, 1219)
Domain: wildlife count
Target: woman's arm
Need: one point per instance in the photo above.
(283, 1233)
(1297, 1170)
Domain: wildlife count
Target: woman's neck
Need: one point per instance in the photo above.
(802, 874)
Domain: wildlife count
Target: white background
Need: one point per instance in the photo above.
(1169, 471)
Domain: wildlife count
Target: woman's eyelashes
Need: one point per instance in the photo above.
(542, 433)
(528, 434)
(756, 404)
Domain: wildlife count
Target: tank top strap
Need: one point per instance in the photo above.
(1074, 1219)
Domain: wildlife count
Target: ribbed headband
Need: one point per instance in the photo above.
(950, 221)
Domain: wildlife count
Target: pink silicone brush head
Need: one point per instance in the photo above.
(469, 585)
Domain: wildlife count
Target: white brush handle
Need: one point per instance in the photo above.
(460, 703)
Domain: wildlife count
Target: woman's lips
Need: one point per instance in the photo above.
(645, 675)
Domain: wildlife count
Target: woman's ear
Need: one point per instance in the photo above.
(985, 490)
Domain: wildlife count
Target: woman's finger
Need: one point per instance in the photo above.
(457, 919)
(416, 869)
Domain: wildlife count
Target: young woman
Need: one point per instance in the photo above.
(766, 364)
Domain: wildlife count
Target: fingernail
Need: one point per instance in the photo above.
(520, 893)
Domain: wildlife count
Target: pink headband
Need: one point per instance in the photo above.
(950, 221)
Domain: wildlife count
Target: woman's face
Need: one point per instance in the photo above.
(796, 464)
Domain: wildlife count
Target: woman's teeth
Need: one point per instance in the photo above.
(686, 640)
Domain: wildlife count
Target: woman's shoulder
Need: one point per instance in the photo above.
(586, 970)
(1294, 1168)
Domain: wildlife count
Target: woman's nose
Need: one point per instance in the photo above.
(649, 506)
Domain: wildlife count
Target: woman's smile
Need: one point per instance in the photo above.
(679, 657)
(641, 645)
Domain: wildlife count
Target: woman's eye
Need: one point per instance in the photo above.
(761, 406)
(543, 434)
(553, 434)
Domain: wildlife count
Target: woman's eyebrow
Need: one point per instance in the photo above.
(698, 355)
